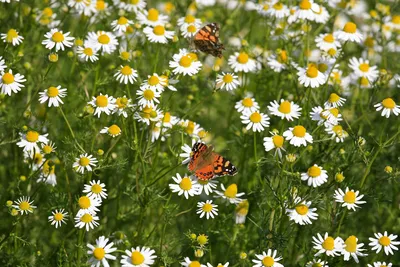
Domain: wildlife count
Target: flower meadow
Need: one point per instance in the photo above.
(199, 133)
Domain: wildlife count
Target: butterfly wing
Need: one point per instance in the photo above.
(222, 166)
(197, 150)
(207, 40)
(205, 173)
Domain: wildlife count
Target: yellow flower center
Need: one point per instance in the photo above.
(202, 239)
(277, 140)
(114, 129)
(154, 80)
(194, 264)
(302, 209)
(57, 37)
(58, 216)
(202, 134)
(84, 161)
(329, 243)
(322, 67)
(48, 12)
(159, 30)
(312, 71)
(247, 102)
(351, 244)
(8, 78)
(185, 184)
(87, 218)
(207, 207)
(305, 5)
(282, 57)
(329, 38)
(350, 197)
(101, 101)
(364, 81)
(99, 253)
(96, 188)
(255, 117)
(396, 19)
(388, 103)
(191, 28)
(299, 131)
(32, 136)
(384, 241)
(228, 78)
(38, 158)
(47, 169)
(192, 56)
(314, 171)
(84, 202)
(121, 102)
(332, 52)
(285, 107)
(137, 258)
(333, 98)
(103, 39)
(148, 94)
(126, 70)
(100, 5)
(268, 261)
(88, 51)
(11, 34)
(167, 117)
(125, 55)
(24, 205)
(316, 265)
(231, 191)
(334, 112)
(153, 14)
(338, 130)
(134, 2)
(122, 21)
(369, 41)
(350, 27)
(364, 67)
(185, 61)
(190, 19)
(190, 128)
(278, 6)
(52, 91)
(243, 58)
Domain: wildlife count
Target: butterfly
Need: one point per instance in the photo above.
(207, 164)
(206, 40)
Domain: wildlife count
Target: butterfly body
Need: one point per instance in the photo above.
(207, 164)
(207, 40)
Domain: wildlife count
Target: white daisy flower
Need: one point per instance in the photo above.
(30, 141)
(189, 263)
(285, 110)
(241, 211)
(57, 39)
(208, 186)
(189, 30)
(58, 217)
(3, 65)
(138, 257)
(267, 259)
(23, 205)
(185, 63)
(380, 264)
(302, 213)
(321, 14)
(242, 62)
(131, 6)
(385, 242)
(349, 198)
(255, 121)
(158, 34)
(207, 208)
(274, 142)
(298, 136)
(317, 262)
(120, 25)
(219, 264)
(326, 41)
(327, 245)
(247, 105)
(84, 162)
(148, 114)
(126, 74)
(122, 105)
(315, 176)
(311, 76)
(230, 194)
(337, 133)
(279, 61)
(334, 101)
(112, 131)
(103, 103)
(185, 186)
(12, 37)
(228, 80)
(148, 96)
(86, 53)
(101, 252)
(89, 204)
(361, 68)
(187, 152)
(388, 106)
(10, 83)
(101, 40)
(168, 120)
(152, 17)
(305, 10)
(86, 220)
(278, 10)
(47, 174)
(53, 95)
(189, 20)
(156, 82)
(353, 249)
(349, 33)
(95, 189)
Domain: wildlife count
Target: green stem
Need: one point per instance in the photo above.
(368, 169)
(340, 222)
(70, 129)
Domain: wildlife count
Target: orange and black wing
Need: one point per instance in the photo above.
(197, 150)
(222, 166)
(207, 40)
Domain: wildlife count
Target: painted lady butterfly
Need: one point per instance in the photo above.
(206, 40)
(207, 164)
